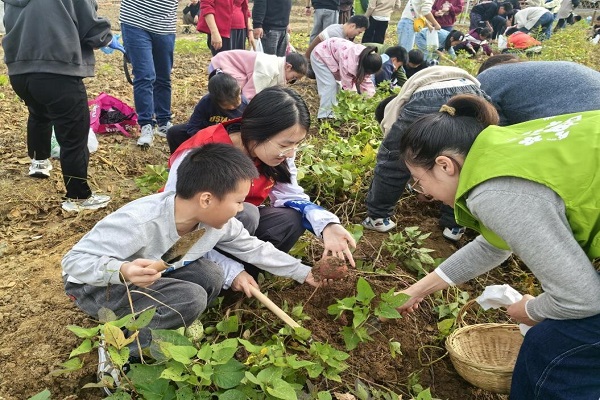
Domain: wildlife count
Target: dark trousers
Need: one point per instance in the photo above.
(180, 297)
(236, 41)
(375, 33)
(559, 360)
(391, 173)
(176, 135)
(280, 226)
(59, 101)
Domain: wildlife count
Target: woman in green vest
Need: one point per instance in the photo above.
(532, 189)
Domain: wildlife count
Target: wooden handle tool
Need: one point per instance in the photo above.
(273, 307)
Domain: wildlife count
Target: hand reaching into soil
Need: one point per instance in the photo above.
(337, 241)
(242, 282)
(410, 306)
(137, 273)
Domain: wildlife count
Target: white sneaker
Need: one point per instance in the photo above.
(94, 202)
(146, 136)
(378, 224)
(454, 234)
(161, 130)
(40, 168)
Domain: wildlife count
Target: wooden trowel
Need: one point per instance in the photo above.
(178, 250)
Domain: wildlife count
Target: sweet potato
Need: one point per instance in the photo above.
(330, 267)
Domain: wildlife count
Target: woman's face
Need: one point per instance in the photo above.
(277, 148)
(438, 182)
(291, 76)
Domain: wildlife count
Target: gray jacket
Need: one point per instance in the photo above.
(57, 36)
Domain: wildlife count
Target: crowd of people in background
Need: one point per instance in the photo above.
(238, 149)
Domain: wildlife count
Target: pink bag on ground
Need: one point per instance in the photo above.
(109, 114)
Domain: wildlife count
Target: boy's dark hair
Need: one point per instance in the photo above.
(416, 56)
(369, 62)
(271, 111)
(223, 89)
(507, 6)
(453, 35)
(485, 33)
(380, 110)
(216, 168)
(359, 20)
(498, 59)
(576, 17)
(510, 31)
(398, 52)
(298, 62)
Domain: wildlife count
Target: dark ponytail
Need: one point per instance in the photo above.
(369, 62)
(452, 130)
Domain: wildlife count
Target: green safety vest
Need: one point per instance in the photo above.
(562, 153)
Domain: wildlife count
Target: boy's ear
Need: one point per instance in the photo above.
(204, 199)
(288, 66)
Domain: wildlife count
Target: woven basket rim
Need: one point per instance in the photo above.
(512, 328)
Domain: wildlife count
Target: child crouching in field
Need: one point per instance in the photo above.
(222, 103)
(350, 63)
(256, 71)
(111, 262)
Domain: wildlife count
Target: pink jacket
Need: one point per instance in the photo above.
(340, 56)
(254, 71)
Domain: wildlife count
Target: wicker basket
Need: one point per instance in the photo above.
(485, 354)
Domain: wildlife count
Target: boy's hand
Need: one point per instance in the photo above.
(242, 283)
(137, 273)
(337, 241)
(310, 279)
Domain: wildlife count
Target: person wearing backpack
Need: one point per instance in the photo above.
(49, 78)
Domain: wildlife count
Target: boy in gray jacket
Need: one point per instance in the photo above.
(49, 49)
(114, 258)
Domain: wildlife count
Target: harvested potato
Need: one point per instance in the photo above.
(330, 267)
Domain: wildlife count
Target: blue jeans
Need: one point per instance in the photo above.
(559, 360)
(391, 174)
(545, 22)
(275, 42)
(151, 57)
(406, 33)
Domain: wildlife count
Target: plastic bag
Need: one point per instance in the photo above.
(289, 49)
(502, 42)
(259, 47)
(109, 114)
(92, 144)
(433, 41)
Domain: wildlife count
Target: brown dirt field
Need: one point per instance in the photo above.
(35, 233)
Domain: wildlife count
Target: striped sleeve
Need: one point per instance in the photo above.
(156, 16)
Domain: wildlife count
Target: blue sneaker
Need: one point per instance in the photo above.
(454, 234)
(379, 224)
